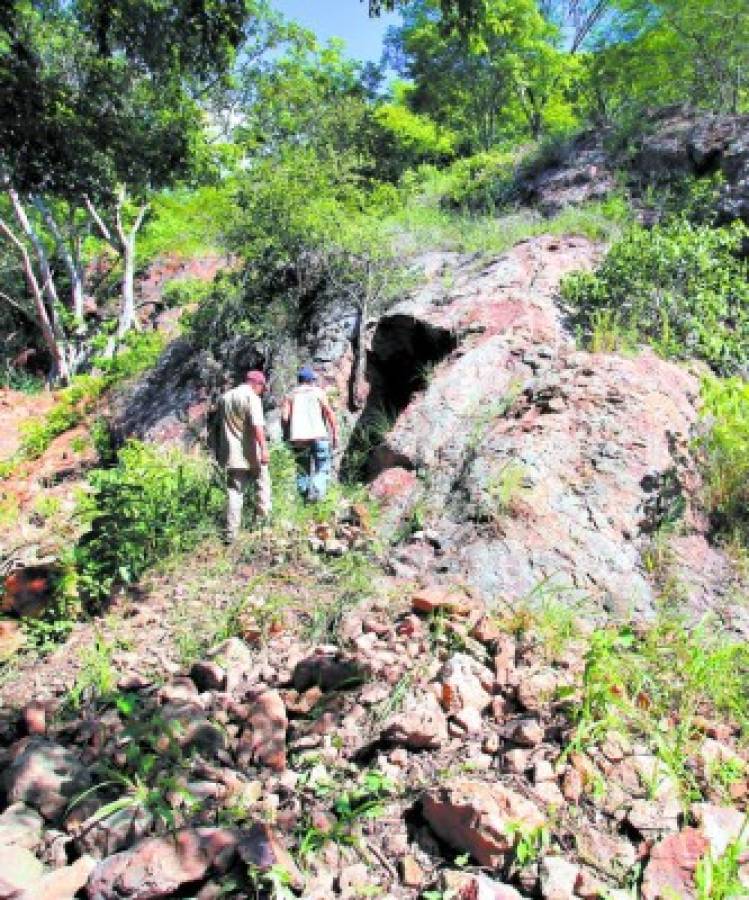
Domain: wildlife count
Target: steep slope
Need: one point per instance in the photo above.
(530, 461)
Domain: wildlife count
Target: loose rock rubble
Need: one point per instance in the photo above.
(346, 774)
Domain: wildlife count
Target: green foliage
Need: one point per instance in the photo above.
(682, 287)
(720, 879)
(724, 451)
(151, 504)
(363, 802)
(186, 291)
(20, 380)
(652, 685)
(96, 678)
(508, 80)
(154, 768)
(73, 404)
(484, 182)
(140, 352)
(187, 222)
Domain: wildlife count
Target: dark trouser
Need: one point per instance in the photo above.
(314, 464)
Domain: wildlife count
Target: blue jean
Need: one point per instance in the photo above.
(314, 463)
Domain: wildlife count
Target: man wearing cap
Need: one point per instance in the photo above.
(310, 426)
(243, 449)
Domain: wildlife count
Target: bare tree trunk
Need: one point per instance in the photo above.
(124, 244)
(48, 283)
(127, 310)
(357, 393)
(46, 325)
(70, 251)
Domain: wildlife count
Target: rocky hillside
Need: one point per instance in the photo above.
(506, 660)
(425, 721)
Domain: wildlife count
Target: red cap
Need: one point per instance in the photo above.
(255, 376)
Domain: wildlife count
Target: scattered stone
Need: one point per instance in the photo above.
(654, 816)
(235, 658)
(603, 851)
(208, 675)
(465, 683)
(421, 726)
(46, 776)
(261, 847)
(101, 837)
(265, 738)
(474, 816)
(467, 721)
(504, 659)
(615, 746)
(158, 867)
(589, 887)
(537, 687)
(20, 826)
(328, 671)
(486, 630)
(374, 693)
(491, 743)
(20, 871)
(572, 785)
(12, 638)
(548, 792)
(34, 716)
(448, 599)
(721, 825)
(353, 880)
(517, 761)
(558, 878)
(467, 886)
(526, 732)
(411, 872)
(543, 771)
(64, 883)
(672, 864)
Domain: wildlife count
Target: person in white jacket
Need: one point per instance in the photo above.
(312, 431)
(243, 449)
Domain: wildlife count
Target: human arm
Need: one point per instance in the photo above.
(330, 420)
(262, 444)
(286, 411)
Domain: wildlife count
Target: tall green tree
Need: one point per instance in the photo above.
(98, 99)
(498, 81)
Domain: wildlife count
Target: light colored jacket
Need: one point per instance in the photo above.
(240, 412)
(306, 421)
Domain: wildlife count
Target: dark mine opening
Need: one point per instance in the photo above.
(404, 350)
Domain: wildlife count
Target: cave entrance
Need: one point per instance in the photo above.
(404, 350)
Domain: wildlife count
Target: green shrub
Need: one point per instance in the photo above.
(152, 503)
(139, 352)
(725, 454)
(19, 380)
(73, 404)
(484, 182)
(184, 291)
(681, 287)
(187, 222)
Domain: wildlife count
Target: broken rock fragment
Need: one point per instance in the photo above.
(158, 867)
(264, 739)
(479, 818)
(420, 726)
(261, 848)
(46, 776)
(465, 683)
(673, 862)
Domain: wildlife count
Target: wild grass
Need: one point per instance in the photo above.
(418, 228)
(655, 684)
